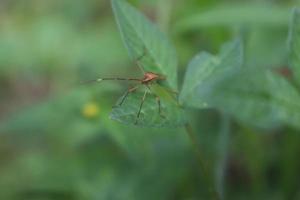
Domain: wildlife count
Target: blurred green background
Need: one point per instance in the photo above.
(57, 141)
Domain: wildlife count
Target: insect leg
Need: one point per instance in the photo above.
(130, 90)
(159, 104)
(141, 106)
(157, 100)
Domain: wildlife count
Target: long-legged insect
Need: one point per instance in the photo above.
(148, 79)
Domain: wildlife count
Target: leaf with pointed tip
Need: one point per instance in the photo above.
(294, 44)
(143, 40)
(206, 70)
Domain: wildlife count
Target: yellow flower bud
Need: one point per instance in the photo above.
(90, 110)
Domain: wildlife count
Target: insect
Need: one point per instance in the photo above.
(148, 80)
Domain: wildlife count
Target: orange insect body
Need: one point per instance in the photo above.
(150, 77)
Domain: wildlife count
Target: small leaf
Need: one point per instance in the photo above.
(171, 114)
(206, 70)
(141, 37)
(259, 97)
(294, 44)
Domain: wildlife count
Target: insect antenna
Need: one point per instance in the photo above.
(110, 79)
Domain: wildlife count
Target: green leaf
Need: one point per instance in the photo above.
(206, 70)
(256, 15)
(294, 44)
(259, 97)
(143, 40)
(141, 37)
(171, 114)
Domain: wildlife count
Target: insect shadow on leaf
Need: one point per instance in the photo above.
(147, 81)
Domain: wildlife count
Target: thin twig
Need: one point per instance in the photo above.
(201, 162)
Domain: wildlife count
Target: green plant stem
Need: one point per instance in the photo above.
(223, 148)
(201, 162)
